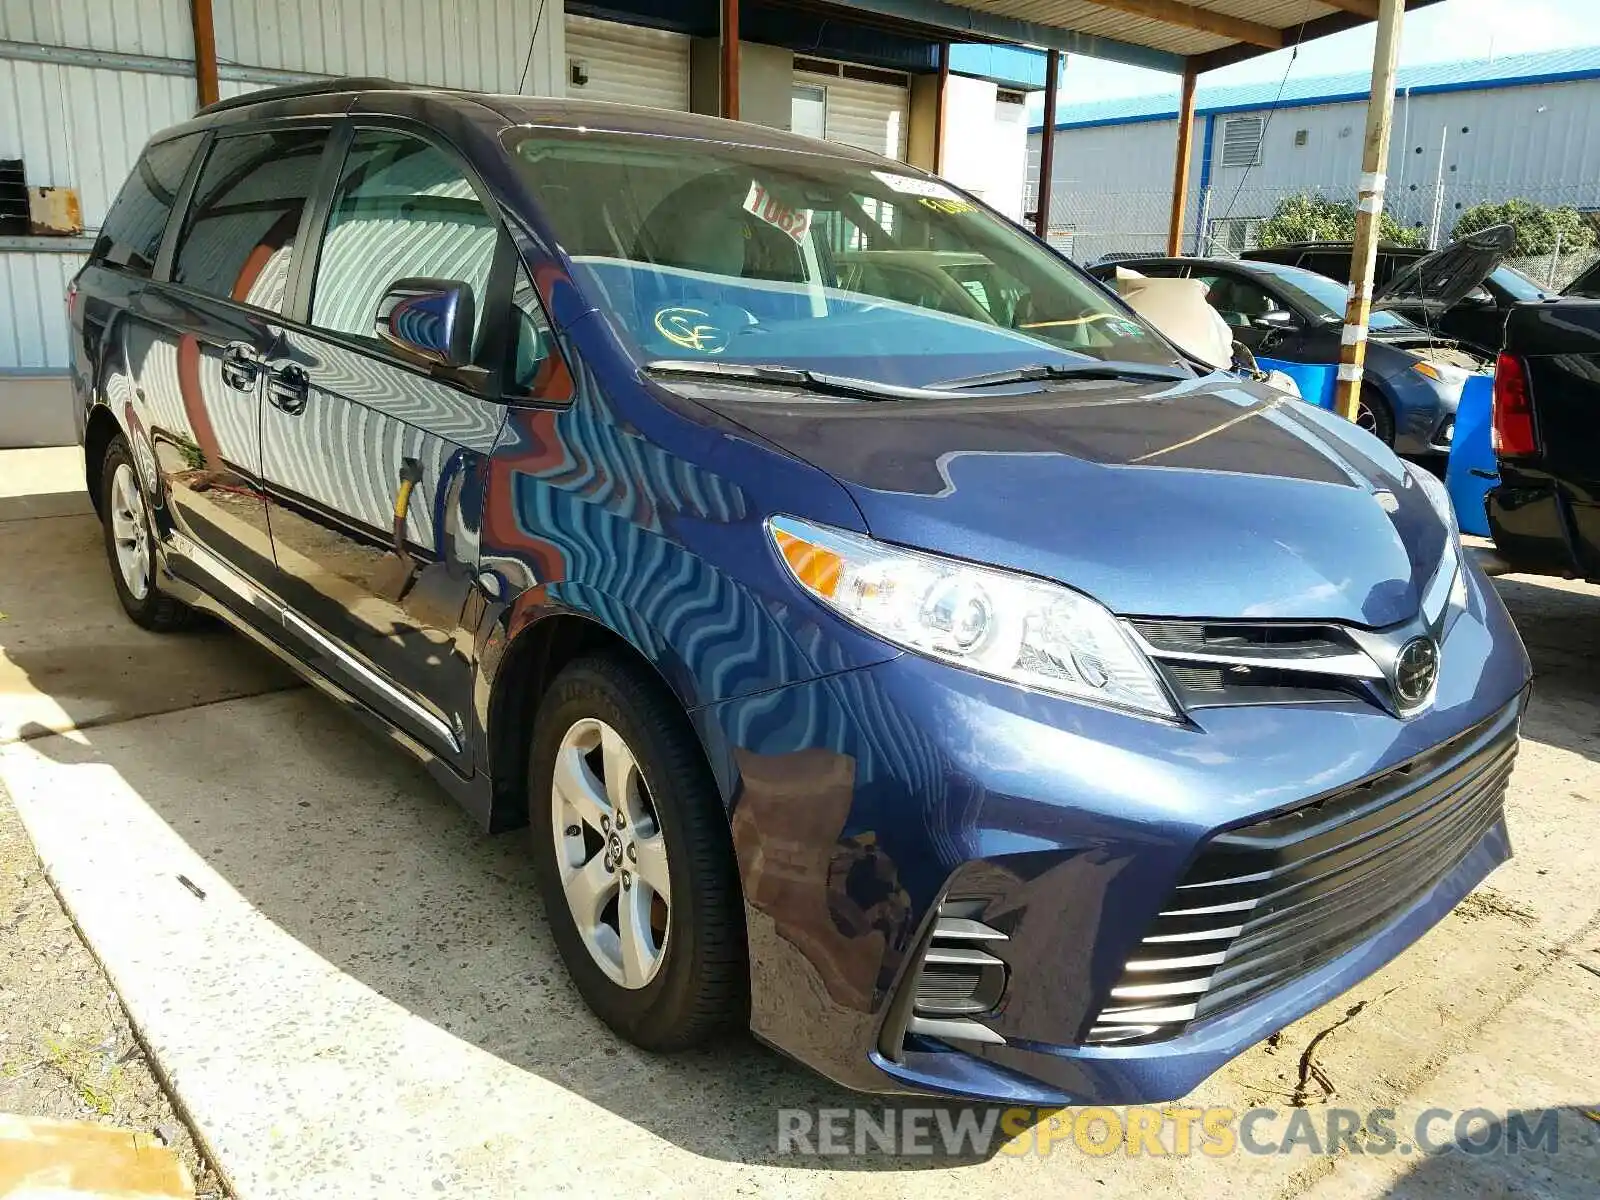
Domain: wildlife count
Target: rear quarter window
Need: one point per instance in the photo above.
(130, 238)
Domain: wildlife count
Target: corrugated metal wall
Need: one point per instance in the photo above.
(477, 44)
(32, 288)
(869, 116)
(629, 64)
(82, 127)
(1538, 141)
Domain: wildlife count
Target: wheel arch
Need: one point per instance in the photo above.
(99, 432)
(520, 676)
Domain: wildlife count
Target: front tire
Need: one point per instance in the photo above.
(633, 857)
(1375, 416)
(131, 546)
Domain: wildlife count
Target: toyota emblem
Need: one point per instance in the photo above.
(1415, 669)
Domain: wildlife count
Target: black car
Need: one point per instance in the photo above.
(1585, 286)
(1544, 512)
(1413, 379)
(1477, 320)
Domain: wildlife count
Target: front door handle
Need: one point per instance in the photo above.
(240, 366)
(287, 389)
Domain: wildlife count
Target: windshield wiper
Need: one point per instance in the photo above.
(815, 381)
(1035, 372)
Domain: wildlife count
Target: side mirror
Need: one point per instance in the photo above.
(429, 320)
(1278, 319)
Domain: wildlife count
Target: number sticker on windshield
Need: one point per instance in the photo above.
(763, 205)
(952, 208)
(911, 185)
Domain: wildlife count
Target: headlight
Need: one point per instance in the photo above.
(1450, 376)
(996, 623)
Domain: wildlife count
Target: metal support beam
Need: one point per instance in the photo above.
(938, 108)
(1180, 170)
(205, 52)
(728, 85)
(1192, 16)
(1369, 208)
(1047, 142)
(1366, 9)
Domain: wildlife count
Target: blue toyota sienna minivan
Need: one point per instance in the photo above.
(889, 642)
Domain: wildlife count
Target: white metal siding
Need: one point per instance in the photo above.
(82, 127)
(869, 116)
(155, 27)
(33, 334)
(629, 64)
(477, 44)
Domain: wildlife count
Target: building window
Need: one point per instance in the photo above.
(1241, 141)
(808, 110)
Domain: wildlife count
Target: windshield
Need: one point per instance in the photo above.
(698, 250)
(1324, 298)
(1517, 285)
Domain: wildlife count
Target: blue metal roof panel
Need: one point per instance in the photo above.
(1513, 70)
(1016, 66)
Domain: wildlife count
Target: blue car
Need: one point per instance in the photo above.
(884, 640)
(1414, 377)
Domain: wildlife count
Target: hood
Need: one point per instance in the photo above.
(1207, 498)
(1441, 280)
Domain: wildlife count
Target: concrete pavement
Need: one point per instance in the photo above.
(353, 992)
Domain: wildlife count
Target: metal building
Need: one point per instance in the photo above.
(1519, 126)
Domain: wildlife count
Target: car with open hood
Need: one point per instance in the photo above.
(1413, 380)
(990, 705)
(1463, 292)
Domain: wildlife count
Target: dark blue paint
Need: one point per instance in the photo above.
(613, 499)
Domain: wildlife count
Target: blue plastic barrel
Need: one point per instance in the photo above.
(1315, 380)
(1471, 450)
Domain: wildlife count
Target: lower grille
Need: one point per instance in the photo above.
(1268, 902)
(956, 981)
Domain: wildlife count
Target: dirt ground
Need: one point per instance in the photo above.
(66, 1050)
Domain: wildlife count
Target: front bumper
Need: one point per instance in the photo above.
(863, 800)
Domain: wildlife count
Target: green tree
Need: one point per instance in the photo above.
(1537, 226)
(1308, 217)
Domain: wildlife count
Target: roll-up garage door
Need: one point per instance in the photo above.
(627, 64)
(869, 115)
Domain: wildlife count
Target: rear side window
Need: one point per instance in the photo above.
(246, 214)
(131, 236)
(403, 208)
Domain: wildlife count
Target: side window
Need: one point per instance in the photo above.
(131, 235)
(1238, 300)
(402, 209)
(535, 362)
(246, 213)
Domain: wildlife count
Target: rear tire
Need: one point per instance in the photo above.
(131, 546)
(645, 911)
(1375, 416)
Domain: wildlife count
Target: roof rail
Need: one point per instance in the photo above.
(317, 87)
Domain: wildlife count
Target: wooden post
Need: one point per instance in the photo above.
(1369, 208)
(938, 108)
(205, 52)
(1180, 170)
(729, 82)
(1047, 142)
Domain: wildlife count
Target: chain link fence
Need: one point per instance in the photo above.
(1092, 225)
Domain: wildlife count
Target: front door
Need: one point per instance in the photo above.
(374, 463)
(202, 337)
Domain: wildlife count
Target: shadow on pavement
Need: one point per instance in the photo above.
(356, 853)
(1560, 625)
(1530, 1152)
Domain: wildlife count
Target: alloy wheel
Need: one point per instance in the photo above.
(1366, 418)
(130, 531)
(611, 853)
